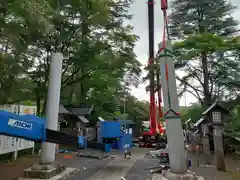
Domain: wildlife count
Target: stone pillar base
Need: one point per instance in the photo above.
(186, 176)
(54, 171)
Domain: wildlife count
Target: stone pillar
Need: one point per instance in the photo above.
(176, 149)
(79, 129)
(206, 147)
(47, 155)
(218, 146)
(193, 141)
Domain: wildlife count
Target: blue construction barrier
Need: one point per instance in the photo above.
(119, 128)
(125, 140)
(109, 129)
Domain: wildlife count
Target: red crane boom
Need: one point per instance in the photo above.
(153, 122)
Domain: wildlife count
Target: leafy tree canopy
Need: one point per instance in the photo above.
(99, 63)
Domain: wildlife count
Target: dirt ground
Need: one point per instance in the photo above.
(88, 167)
(210, 172)
(13, 170)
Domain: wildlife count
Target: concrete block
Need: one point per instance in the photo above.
(44, 171)
(160, 177)
(186, 176)
(61, 176)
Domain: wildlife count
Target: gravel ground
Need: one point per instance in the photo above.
(139, 170)
(13, 170)
(87, 166)
(211, 173)
(119, 167)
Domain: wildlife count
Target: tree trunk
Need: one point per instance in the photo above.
(82, 93)
(70, 97)
(44, 106)
(38, 102)
(206, 93)
(46, 79)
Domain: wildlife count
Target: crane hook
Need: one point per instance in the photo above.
(164, 5)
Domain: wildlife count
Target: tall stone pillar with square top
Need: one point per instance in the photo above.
(205, 142)
(171, 110)
(217, 114)
(218, 146)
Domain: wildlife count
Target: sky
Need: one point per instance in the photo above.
(140, 24)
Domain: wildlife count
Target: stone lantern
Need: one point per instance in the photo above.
(217, 114)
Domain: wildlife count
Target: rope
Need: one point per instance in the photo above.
(165, 24)
(165, 33)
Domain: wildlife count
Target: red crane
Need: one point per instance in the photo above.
(153, 120)
(155, 124)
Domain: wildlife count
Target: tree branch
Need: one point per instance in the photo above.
(78, 79)
(196, 96)
(195, 74)
(71, 76)
(189, 85)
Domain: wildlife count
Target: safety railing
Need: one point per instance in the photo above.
(10, 144)
(13, 145)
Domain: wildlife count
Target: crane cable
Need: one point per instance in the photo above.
(164, 7)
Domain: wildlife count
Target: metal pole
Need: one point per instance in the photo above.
(47, 155)
(153, 121)
(171, 111)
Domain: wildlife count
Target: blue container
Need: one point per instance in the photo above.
(125, 142)
(109, 129)
(116, 129)
(82, 142)
(107, 148)
(115, 145)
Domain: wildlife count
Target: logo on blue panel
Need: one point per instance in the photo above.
(20, 124)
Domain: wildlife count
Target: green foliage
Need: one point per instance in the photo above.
(207, 48)
(222, 66)
(193, 112)
(233, 126)
(118, 114)
(201, 16)
(98, 49)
